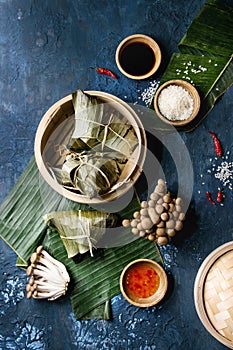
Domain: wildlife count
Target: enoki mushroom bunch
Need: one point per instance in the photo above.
(49, 277)
(159, 218)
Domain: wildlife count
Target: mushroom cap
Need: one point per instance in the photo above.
(39, 249)
(29, 270)
(34, 257)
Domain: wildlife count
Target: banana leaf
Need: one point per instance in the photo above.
(96, 280)
(21, 223)
(210, 75)
(205, 58)
(211, 31)
(201, 71)
(80, 230)
(119, 137)
(91, 173)
(22, 227)
(101, 144)
(88, 115)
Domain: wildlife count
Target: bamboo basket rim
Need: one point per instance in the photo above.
(131, 177)
(199, 286)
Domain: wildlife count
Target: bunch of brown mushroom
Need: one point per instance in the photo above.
(159, 218)
(49, 277)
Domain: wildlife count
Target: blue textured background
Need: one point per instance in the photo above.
(46, 51)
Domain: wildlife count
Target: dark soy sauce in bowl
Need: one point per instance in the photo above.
(137, 58)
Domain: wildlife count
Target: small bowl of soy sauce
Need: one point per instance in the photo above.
(138, 56)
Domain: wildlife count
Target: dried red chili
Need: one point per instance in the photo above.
(217, 144)
(208, 195)
(220, 196)
(105, 72)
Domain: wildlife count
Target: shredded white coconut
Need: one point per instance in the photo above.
(175, 103)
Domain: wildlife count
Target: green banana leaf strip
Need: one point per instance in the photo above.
(212, 76)
(88, 115)
(211, 31)
(201, 71)
(95, 280)
(206, 57)
(208, 103)
(22, 227)
(21, 263)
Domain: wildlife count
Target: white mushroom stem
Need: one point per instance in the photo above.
(49, 296)
(49, 277)
(58, 263)
(51, 266)
(48, 289)
(41, 284)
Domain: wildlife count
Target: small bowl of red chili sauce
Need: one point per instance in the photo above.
(143, 283)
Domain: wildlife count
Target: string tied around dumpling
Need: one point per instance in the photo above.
(91, 241)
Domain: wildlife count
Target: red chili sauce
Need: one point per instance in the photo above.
(142, 281)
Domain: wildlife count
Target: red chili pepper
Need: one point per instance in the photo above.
(220, 196)
(217, 144)
(208, 195)
(105, 72)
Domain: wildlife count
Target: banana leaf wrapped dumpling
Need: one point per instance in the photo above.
(100, 146)
(80, 230)
(91, 174)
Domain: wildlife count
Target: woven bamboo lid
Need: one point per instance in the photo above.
(213, 294)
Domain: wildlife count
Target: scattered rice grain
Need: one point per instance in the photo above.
(148, 93)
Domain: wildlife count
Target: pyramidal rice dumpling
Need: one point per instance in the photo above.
(100, 146)
(80, 230)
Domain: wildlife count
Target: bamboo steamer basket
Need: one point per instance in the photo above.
(213, 294)
(55, 128)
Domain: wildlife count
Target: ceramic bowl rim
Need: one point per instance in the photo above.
(139, 38)
(159, 294)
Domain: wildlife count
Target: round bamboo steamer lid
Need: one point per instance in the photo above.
(213, 294)
(60, 117)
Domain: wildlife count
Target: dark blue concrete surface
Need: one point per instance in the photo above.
(46, 51)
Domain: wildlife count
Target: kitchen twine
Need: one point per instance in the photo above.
(106, 127)
(90, 240)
